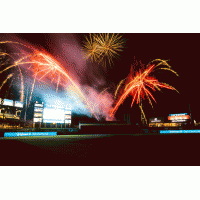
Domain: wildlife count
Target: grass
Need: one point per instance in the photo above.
(53, 137)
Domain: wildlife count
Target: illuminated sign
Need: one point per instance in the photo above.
(179, 131)
(18, 104)
(156, 120)
(68, 117)
(38, 109)
(68, 121)
(179, 120)
(16, 134)
(178, 117)
(37, 119)
(38, 105)
(8, 102)
(56, 113)
(179, 114)
(51, 115)
(37, 114)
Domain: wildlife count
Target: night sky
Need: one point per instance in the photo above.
(182, 51)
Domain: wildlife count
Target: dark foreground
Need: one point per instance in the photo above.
(102, 150)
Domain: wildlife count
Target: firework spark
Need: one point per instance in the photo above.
(162, 63)
(92, 49)
(8, 77)
(22, 85)
(53, 68)
(142, 113)
(110, 45)
(137, 87)
(43, 65)
(2, 56)
(104, 47)
(116, 92)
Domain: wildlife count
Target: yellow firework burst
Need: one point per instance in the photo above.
(110, 45)
(162, 62)
(2, 56)
(104, 47)
(92, 48)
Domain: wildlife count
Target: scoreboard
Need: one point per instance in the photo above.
(52, 114)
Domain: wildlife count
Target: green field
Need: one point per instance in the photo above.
(54, 137)
(100, 150)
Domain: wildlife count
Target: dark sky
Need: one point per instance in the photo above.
(182, 51)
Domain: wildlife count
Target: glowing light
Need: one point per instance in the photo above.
(17, 134)
(136, 86)
(22, 86)
(8, 77)
(53, 115)
(43, 65)
(92, 48)
(179, 131)
(178, 117)
(105, 45)
(8, 102)
(179, 114)
(45, 60)
(9, 67)
(163, 63)
(118, 87)
(18, 104)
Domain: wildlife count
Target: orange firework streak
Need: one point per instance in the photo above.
(40, 59)
(136, 87)
(3, 54)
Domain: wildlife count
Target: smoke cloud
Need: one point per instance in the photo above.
(88, 76)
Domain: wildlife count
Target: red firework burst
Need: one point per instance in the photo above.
(138, 87)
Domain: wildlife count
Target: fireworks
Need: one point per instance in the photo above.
(104, 47)
(22, 85)
(163, 63)
(53, 69)
(92, 48)
(121, 82)
(8, 77)
(100, 48)
(44, 66)
(2, 57)
(136, 86)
